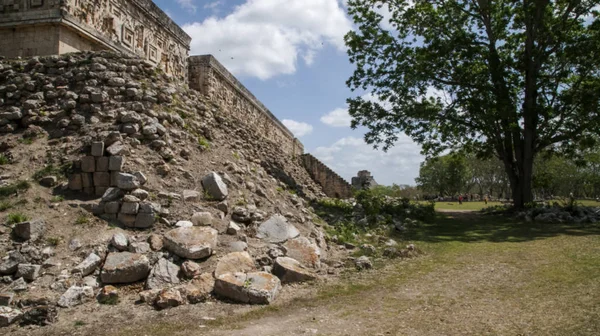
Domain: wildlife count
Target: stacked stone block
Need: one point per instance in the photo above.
(96, 172)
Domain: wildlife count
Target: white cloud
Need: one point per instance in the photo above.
(337, 118)
(187, 5)
(214, 6)
(350, 154)
(265, 38)
(299, 129)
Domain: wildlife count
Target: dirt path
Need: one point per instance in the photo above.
(479, 276)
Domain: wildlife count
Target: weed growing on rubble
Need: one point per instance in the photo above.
(4, 160)
(16, 217)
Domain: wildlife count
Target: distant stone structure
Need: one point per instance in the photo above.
(363, 181)
(333, 185)
(53, 27)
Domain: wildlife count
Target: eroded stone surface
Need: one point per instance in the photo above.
(75, 295)
(304, 251)
(277, 230)
(163, 274)
(290, 270)
(254, 288)
(191, 242)
(31, 230)
(214, 186)
(235, 262)
(124, 267)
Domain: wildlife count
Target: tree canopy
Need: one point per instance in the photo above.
(495, 78)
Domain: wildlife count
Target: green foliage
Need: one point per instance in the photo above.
(446, 175)
(13, 189)
(26, 141)
(236, 155)
(334, 204)
(4, 160)
(5, 205)
(82, 219)
(53, 241)
(57, 199)
(60, 171)
(16, 217)
(203, 143)
(507, 78)
(345, 231)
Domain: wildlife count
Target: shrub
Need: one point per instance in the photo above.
(5, 206)
(4, 160)
(82, 219)
(203, 143)
(53, 241)
(16, 217)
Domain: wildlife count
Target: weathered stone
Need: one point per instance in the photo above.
(18, 285)
(115, 163)
(202, 219)
(116, 149)
(40, 315)
(214, 186)
(102, 164)
(88, 164)
(363, 263)
(304, 251)
(233, 229)
(254, 288)
(102, 179)
(90, 281)
(108, 295)
(112, 194)
(49, 181)
(163, 274)
(124, 267)
(139, 247)
(97, 148)
(112, 207)
(127, 220)
(191, 242)
(141, 177)
(130, 208)
(235, 262)
(9, 316)
(88, 266)
(9, 266)
(75, 182)
(290, 270)
(277, 230)
(191, 195)
(190, 269)
(156, 242)
(184, 224)
(32, 230)
(6, 299)
(140, 193)
(238, 246)
(223, 206)
(168, 298)
(144, 220)
(127, 181)
(75, 296)
(199, 289)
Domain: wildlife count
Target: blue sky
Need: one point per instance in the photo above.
(290, 54)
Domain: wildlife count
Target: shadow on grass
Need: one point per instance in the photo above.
(475, 227)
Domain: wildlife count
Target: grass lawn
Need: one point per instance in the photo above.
(476, 206)
(480, 275)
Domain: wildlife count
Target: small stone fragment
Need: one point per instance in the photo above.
(163, 274)
(202, 219)
(290, 270)
(75, 296)
(233, 229)
(28, 272)
(214, 186)
(32, 230)
(235, 262)
(108, 295)
(168, 298)
(125, 267)
(88, 266)
(119, 241)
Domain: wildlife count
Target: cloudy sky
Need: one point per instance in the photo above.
(291, 55)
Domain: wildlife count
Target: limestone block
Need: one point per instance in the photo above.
(97, 148)
(115, 163)
(75, 182)
(102, 164)
(102, 179)
(88, 164)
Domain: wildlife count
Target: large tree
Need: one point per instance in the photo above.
(445, 176)
(510, 78)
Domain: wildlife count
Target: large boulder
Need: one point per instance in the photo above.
(254, 288)
(124, 267)
(277, 230)
(235, 262)
(290, 270)
(31, 230)
(163, 274)
(214, 186)
(191, 242)
(304, 251)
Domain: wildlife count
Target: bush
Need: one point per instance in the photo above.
(17, 217)
(334, 204)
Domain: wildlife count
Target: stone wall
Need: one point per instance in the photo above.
(333, 185)
(136, 27)
(209, 77)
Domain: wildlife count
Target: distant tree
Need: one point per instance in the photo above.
(445, 176)
(487, 176)
(516, 77)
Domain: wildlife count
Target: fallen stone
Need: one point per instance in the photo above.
(233, 229)
(18, 285)
(9, 316)
(277, 230)
(91, 281)
(168, 298)
(254, 288)
(140, 194)
(149, 296)
(127, 181)
(119, 241)
(115, 163)
(31, 230)
(28, 272)
(223, 206)
(199, 289)
(144, 220)
(156, 242)
(75, 296)
(112, 194)
(10, 265)
(6, 299)
(304, 251)
(202, 219)
(363, 263)
(184, 224)
(191, 196)
(116, 149)
(139, 247)
(74, 244)
(49, 181)
(290, 270)
(238, 246)
(97, 148)
(191, 242)
(108, 295)
(88, 266)
(141, 177)
(124, 267)
(163, 274)
(190, 269)
(235, 262)
(214, 186)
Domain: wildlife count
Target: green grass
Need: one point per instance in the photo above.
(57, 199)
(13, 189)
(82, 219)
(59, 171)
(4, 160)
(5, 205)
(203, 143)
(53, 241)
(474, 206)
(16, 217)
